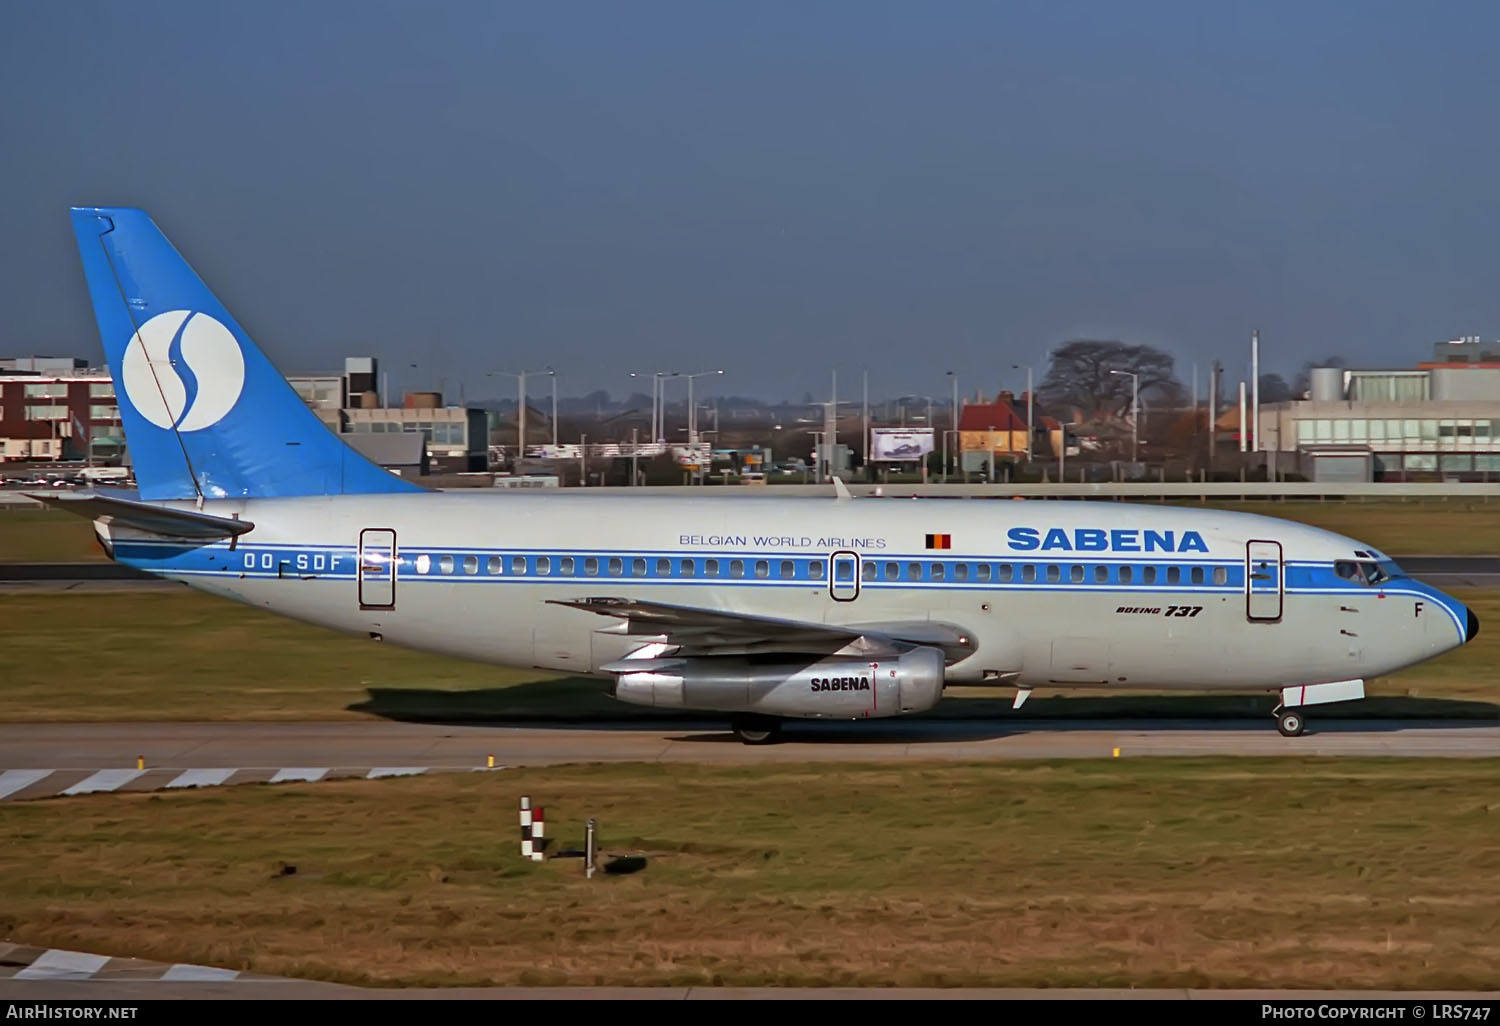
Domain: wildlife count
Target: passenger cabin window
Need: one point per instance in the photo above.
(1221, 575)
(1028, 573)
(1174, 575)
(815, 570)
(518, 564)
(1127, 574)
(1007, 573)
(961, 571)
(1101, 575)
(591, 566)
(664, 568)
(565, 566)
(689, 568)
(982, 572)
(736, 568)
(914, 571)
(1148, 575)
(638, 568)
(496, 565)
(893, 571)
(939, 571)
(543, 565)
(1075, 574)
(471, 564)
(616, 567)
(762, 569)
(1197, 575)
(788, 570)
(869, 571)
(445, 564)
(1054, 573)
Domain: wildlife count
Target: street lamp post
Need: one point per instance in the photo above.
(953, 425)
(1135, 408)
(658, 412)
(520, 377)
(1030, 406)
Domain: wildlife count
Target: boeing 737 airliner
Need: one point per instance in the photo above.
(758, 609)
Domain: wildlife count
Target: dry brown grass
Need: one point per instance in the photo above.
(1211, 873)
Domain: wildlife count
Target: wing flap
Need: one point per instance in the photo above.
(698, 631)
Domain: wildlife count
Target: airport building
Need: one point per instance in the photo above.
(420, 436)
(1439, 421)
(58, 408)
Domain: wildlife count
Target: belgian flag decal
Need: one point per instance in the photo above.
(940, 541)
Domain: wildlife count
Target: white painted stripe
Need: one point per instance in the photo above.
(104, 780)
(297, 773)
(395, 771)
(63, 965)
(12, 781)
(198, 973)
(201, 777)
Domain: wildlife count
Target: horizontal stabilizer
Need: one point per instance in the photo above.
(144, 516)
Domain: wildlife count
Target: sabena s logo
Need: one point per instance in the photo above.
(183, 370)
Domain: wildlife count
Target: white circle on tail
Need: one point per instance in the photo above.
(208, 350)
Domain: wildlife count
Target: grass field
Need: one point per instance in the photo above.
(1154, 873)
(1419, 527)
(180, 655)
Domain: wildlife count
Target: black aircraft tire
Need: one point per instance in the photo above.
(757, 730)
(1290, 723)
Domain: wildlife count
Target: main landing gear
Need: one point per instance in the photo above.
(1289, 722)
(756, 730)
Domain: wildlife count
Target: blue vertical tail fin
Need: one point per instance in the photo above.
(204, 412)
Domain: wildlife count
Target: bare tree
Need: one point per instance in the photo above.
(1274, 389)
(1080, 377)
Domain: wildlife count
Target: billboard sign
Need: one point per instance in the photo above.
(900, 445)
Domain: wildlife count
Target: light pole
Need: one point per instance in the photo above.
(692, 413)
(1030, 406)
(1135, 407)
(952, 426)
(657, 419)
(520, 377)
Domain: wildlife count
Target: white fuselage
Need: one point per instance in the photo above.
(1050, 592)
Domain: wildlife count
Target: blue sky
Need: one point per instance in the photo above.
(780, 189)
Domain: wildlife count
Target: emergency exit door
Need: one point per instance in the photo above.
(1263, 580)
(377, 568)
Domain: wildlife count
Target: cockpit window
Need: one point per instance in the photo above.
(1368, 574)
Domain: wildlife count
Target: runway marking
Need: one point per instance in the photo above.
(198, 974)
(12, 781)
(201, 777)
(63, 965)
(104, 780)
(298, 773)
(395, 771)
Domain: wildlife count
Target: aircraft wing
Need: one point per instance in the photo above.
(696, 631)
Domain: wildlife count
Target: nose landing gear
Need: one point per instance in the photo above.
(1289, 722)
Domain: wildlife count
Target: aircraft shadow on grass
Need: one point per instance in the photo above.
(577, 703)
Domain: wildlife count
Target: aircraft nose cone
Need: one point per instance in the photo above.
(1473, 627)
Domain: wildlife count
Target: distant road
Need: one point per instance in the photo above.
(1439, 571)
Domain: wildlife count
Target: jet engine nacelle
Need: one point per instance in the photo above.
(832, 688)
